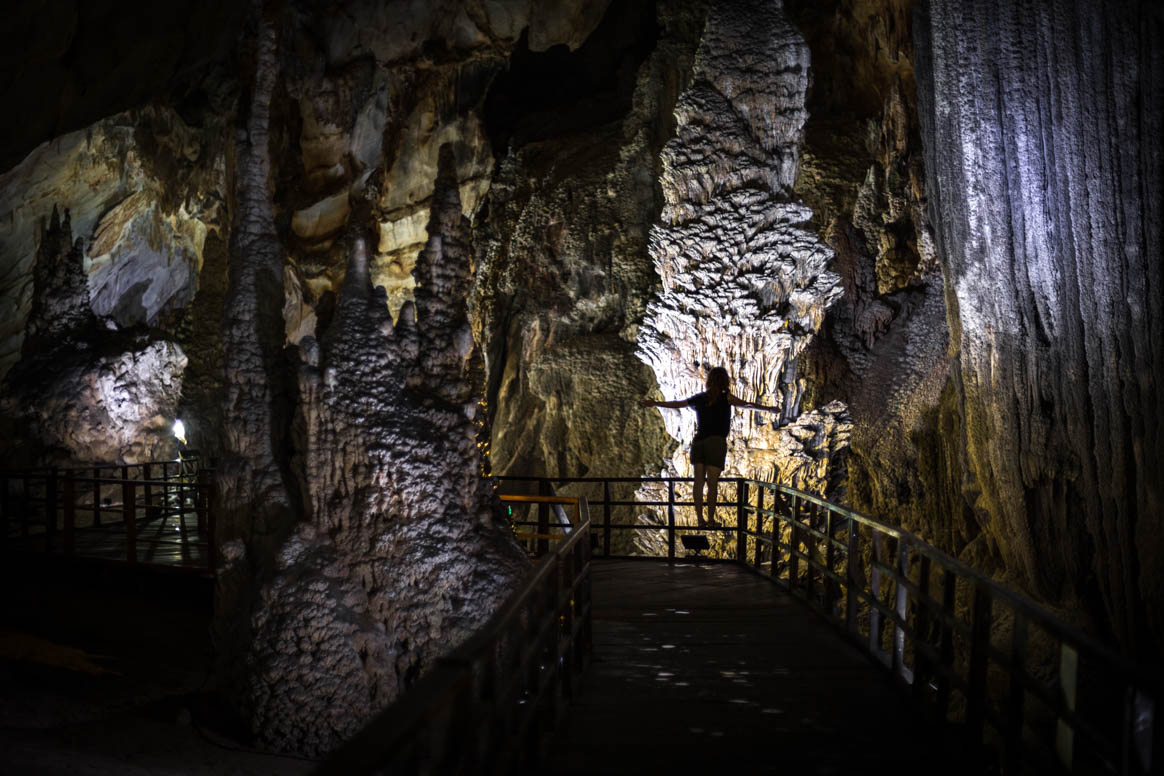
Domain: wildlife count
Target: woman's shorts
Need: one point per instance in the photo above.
(709, 451)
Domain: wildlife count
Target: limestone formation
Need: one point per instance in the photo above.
(744, 283)
(405, 551)
(883, 346)
(77, 395)
(1043, 126)
(143, 190)
(561, 241)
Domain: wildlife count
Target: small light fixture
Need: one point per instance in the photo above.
(180, 431)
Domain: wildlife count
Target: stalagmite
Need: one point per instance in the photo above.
(405, 551)
(744, 283)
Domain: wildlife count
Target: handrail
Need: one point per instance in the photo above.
(55, 508)
(970, 649)
(483, 707)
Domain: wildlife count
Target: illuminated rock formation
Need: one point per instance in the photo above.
(77, 394)
(405, 551)
(1043, 127)
(744, 283)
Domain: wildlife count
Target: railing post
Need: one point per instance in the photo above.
(921, 631)
(1065, 732)
(147, 491)
(794, 543)
(1014, 726)
(26, 498)
(741, 520)
(50, 509)
(206, 517)
(129, 514)
(830, 584)
(855, 575)
(946, 648)
(758, 549)
(902, 607)
(606, 513)
(543, 545)
(979, 661)
(779, 504)
(70, 516)
(875, 591)
(810, 551)
(671, 519)
(96, 497)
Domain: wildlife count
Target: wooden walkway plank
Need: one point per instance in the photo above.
(707, 665)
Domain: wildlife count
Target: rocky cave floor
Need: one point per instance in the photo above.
(106, 671)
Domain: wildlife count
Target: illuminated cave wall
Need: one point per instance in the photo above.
(1043, 134)
(744, 284)
(996, 345)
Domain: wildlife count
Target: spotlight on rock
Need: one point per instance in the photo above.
(180, 431)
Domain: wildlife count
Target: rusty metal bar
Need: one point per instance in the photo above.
(741, 520)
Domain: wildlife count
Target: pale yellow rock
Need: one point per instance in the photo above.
(323, 219)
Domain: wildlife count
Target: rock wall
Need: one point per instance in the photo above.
(405, 551)
(78, 394)
(744, 283)
(561, 241)
(1042, 126)
(883, 346)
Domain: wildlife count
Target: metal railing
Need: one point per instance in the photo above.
(485, 707)
(1035, 691)
(151, 513)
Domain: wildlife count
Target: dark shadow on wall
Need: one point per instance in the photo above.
(559, 92)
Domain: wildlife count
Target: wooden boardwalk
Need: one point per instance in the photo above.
(701, 666)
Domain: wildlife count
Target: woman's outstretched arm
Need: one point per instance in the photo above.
(671, 405)
(750, 405)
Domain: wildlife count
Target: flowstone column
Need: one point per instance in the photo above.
(744, 284)
(405, 552)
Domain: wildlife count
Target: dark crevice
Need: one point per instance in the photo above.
(559, 92)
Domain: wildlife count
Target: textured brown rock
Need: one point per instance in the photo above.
(561, 241)
(1043, 129)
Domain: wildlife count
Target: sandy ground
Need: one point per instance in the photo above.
(106, 671)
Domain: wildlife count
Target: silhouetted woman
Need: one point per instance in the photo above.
(713, 419)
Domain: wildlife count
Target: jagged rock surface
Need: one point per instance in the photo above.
(745, 284)
(1043, 133)
(883, 346)
(561, 281)
(405, 552)
(75, 395)
(143, 190)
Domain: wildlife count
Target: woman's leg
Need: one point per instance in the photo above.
(712, 473)
(697, 492)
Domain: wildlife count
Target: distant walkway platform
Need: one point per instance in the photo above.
(708, 665)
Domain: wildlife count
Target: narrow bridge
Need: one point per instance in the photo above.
(816, 640)
(798, 636)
